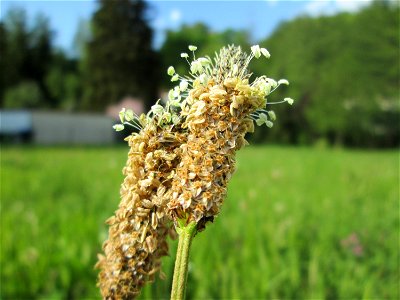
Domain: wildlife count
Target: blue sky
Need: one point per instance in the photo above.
(258, 17)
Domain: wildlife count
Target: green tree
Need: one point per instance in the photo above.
(344, 74)
(26, 53)
(15, 47)
(119, 60)
(24, 95)
(3, 62)
(41, 55)
(64, 81)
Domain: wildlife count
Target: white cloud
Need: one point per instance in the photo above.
(330, 7)
(316, 7)
(175, 15)
(271, 2)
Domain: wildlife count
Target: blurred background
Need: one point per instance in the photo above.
(313, 209)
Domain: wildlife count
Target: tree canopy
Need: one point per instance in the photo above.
(344, 73)
(26, 56)
(343, 68)
(119, 59)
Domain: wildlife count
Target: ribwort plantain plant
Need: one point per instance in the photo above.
(179, 164)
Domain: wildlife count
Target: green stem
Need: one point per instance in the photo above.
(186, 234)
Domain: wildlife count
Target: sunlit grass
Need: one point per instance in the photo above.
(298, 223)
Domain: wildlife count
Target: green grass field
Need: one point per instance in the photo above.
(298, 223)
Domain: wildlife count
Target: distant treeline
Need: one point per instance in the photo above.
(343, 69)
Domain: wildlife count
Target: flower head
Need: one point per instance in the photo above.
(180, 162)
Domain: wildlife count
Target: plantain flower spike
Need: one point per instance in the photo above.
(180, 161)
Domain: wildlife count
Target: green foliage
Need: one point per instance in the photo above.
(343, 69)
(297, 224)
(26, 52)
(64, 81)
(344, 74)
(25, 95)
(15, 46)
(3, 63)
(119, 60)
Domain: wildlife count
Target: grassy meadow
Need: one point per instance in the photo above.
(298, 223)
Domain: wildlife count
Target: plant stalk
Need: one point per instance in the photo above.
(186, 234)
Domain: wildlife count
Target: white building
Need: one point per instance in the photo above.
(50, 128)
